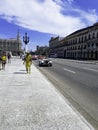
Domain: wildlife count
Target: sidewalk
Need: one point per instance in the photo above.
(31, 102)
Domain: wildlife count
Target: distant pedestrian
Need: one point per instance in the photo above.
(9, 57)
(20, 56)
(28, 62)
(3, 60)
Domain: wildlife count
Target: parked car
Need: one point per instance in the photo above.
(34, 57)
(41, 57)
(45, 62)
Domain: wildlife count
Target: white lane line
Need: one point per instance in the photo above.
(70, 71)
(90, 69)
(85, 68)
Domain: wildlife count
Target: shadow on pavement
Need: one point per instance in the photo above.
(19, 72)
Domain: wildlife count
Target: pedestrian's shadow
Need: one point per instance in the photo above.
(20, 72)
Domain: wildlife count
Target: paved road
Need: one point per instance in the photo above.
(77, 80)
(31, 102)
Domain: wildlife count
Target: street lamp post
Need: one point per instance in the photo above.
(26, 41)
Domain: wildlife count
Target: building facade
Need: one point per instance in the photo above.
(42, 50)
(12, 45)
(82, 44)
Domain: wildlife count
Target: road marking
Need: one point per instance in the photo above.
(85, 68)
(90, 69)
(70, 71)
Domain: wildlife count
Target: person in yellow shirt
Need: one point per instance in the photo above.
(3, 61)
(28, 62)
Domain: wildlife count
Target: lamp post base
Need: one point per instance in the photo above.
(26, 48)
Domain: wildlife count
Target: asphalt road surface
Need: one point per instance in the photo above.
(78, 82)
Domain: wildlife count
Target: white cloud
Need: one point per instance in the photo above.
(70, 1)
(45, 16)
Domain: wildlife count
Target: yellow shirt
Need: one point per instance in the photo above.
(28, 60)
(4, 58)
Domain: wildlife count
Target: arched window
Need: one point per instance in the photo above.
(79, 39)
(93, 35)
(82, 38)
(85, 38)
(89, 36)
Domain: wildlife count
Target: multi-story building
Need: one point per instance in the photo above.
(13, 45)
(82, 44)
(42, 50)
(56, 46)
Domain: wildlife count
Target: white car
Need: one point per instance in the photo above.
(45, 62)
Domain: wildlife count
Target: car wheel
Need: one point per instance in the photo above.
(39, 64)
(50, 65)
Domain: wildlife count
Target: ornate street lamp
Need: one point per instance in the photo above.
(26, 41)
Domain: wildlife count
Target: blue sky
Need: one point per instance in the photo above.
(42, 19)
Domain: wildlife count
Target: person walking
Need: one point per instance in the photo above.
(9, 57)
(3, 61)
(28, 62)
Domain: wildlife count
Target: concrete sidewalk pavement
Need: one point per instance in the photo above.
(31, 102)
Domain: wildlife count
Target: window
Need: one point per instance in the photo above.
(79, 39)
(82, 38)
(93, 35)
(92, 45)
(76, 40)
(85, 38)
(84, 46)
(89, 36)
